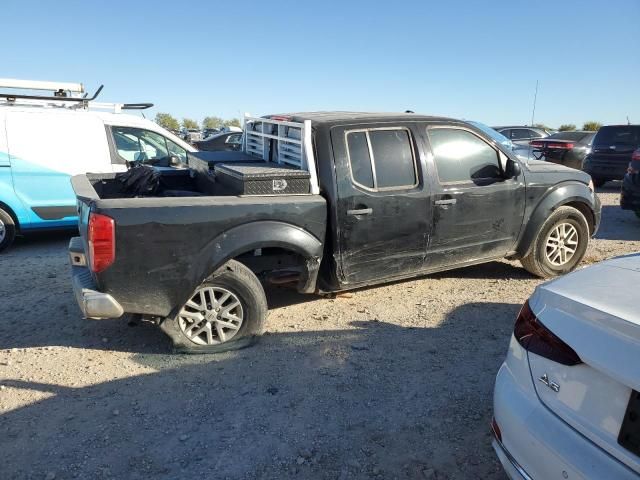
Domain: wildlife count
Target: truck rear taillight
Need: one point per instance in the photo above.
(536, 338)
(102, 242)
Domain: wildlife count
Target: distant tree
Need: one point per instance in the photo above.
(167, 121)
(542, 125)
(591, 126)
(212, 122)
(567, 127)
(189, 123)
(234, 122)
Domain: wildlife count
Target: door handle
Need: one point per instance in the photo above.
(360, 211)
(448, 201)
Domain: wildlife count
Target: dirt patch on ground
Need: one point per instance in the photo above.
(389, 382)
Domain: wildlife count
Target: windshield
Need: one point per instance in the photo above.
(497, 136)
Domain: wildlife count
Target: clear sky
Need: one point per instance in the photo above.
(467, 59)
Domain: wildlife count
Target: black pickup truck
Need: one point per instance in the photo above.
(371, 198)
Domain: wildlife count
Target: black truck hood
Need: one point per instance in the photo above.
(548, 172)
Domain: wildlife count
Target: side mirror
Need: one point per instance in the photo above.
(174, 161)
(513, 169)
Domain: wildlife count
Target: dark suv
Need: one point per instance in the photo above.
(611, 152)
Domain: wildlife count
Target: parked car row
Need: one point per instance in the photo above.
(195, 135)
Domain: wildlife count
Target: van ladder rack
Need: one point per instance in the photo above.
(12, 97)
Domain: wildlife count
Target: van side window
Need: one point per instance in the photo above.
(382, 159)
(140, 145)
(461, 156)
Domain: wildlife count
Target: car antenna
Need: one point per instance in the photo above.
(535, 98)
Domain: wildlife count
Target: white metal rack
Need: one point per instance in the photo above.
(64, 95)
(41, 85)
(282, 142)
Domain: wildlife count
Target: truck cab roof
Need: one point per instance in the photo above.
(330, 118)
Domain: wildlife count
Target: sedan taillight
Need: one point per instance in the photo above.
(102, 242)
(561, 146)
(536, 338)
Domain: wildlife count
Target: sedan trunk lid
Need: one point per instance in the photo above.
(595, 312)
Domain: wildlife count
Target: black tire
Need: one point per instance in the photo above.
(235, 278)
(599, 182)
(537, 263)
(7, 230)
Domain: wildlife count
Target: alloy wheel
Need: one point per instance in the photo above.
(212, 316)
(562, 243)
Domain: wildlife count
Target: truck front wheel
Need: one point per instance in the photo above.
(7, 230)
(560, 244)
(226, 312)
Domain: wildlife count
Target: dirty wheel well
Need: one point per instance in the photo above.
(586, 211)
(274, 264)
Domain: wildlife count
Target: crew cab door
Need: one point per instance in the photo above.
(383, 215)
(478, 212)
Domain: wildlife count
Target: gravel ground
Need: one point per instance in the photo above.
(388, 382)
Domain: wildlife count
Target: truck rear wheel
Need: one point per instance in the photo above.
(7, 230)
(226, 312)
(560, 244)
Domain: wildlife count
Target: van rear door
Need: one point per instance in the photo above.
(45, 149)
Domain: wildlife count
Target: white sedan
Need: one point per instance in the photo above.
(566, 399)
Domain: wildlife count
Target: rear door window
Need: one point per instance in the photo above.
(382, 159)
(461, 156)
(359, 159)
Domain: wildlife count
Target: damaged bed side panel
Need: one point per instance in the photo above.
(166, 247)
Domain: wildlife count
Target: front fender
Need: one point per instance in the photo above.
(557, 196)
(261, 234)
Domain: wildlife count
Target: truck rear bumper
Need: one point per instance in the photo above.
(92, 303)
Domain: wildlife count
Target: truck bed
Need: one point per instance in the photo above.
(167, 244)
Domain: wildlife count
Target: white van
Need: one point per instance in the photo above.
(44, 140)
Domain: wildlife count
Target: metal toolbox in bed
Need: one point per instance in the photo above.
(262, 179)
